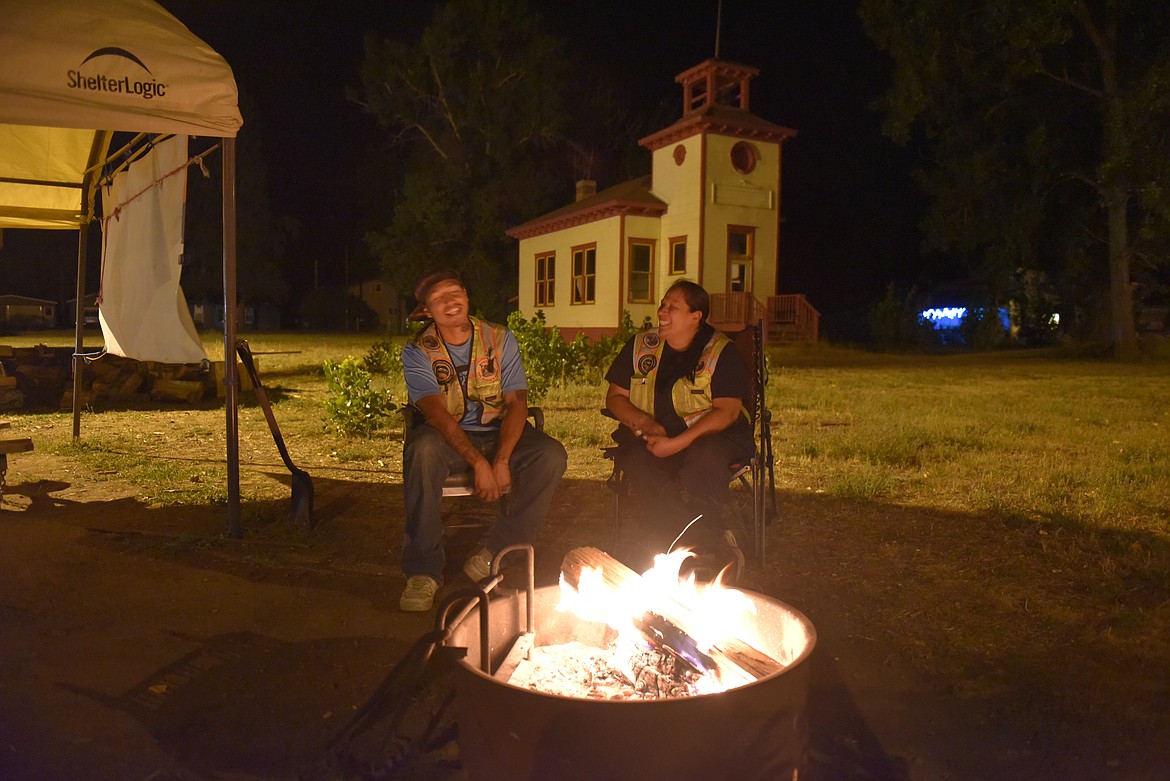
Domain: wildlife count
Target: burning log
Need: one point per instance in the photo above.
(735, 660)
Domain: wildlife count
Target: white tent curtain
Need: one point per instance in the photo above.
(142, 310)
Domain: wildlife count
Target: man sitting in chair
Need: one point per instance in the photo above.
(679, 393)
(466, 377)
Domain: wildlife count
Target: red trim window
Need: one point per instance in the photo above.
(678, 255)
(584, 274)
(546, 279)
(641, 272)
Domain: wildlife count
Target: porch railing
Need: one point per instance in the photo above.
(791, 318)
(788, 318)
(734, 311)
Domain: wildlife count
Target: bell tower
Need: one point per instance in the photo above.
(716, 82)
(718, 166)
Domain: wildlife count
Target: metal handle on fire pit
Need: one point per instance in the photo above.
(479, 596)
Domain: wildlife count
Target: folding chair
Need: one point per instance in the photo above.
(461, 482)
(749, 473)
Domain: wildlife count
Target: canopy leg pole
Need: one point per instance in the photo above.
(79, 326)
(229, 337)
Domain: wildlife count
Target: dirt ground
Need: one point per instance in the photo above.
(139, 644)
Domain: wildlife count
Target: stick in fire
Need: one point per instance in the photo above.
(734, 660)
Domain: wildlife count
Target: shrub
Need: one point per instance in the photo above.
(982, 329)
(895, 322)
(355, 409)
(551, 361)
(384, 357)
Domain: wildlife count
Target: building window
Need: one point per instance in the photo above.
(740, 250)
(678, 255)
(680, 154)
(546, 279)
(584, 274)
(744, 157)
(641, 271)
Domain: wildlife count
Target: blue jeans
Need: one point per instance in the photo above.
(537, 464)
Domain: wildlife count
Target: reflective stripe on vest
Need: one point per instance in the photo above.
(691, 400)
(484, 374)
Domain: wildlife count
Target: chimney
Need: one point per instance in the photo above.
(585, 188)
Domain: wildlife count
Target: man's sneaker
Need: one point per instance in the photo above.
(479, 566)
(419, 594)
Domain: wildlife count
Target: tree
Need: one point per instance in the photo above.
(475, 107)
(1045, 133)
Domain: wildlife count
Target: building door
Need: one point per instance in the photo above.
(740, 251)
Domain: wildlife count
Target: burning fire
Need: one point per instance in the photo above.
(651, 606)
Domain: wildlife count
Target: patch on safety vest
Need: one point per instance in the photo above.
(485, 369)
(647, 363)
(430, 342)
(444, 372)
(651, 340)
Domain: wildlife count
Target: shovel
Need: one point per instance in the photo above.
(302, 484)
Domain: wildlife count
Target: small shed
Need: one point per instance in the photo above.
(27, 313)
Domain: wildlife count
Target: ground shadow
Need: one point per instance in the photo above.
(234, 704)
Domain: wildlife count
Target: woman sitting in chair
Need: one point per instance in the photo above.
(679, 393)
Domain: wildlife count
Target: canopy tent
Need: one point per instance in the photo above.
(73, 72)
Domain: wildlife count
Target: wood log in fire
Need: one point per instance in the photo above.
(736, 661)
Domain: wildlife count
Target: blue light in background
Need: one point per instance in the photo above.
(951, 317)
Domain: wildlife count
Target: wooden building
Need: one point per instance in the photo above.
(709, 212)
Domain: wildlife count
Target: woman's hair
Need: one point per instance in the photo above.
(695, 296)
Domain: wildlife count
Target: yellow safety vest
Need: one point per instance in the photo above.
(484, 374)
(691, 399)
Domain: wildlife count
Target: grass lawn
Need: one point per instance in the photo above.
(1003, 519)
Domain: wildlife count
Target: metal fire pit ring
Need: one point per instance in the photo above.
(756, 732)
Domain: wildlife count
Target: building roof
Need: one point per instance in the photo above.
(12, 298)
(630, 198)
(718, 118)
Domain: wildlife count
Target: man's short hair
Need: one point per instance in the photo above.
(426, 284)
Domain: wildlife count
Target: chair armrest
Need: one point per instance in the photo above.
(537, 415)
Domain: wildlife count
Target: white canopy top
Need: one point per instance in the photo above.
(70, 69)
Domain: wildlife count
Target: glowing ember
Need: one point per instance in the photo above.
(669, 636)
(714, 612)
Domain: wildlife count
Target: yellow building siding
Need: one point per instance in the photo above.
(741, 199)
(680, 186)
(605, 234)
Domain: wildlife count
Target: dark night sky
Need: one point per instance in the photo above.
(848, 207)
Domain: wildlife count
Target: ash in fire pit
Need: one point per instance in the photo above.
(616, 672)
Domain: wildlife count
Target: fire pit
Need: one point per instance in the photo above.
(754, 731)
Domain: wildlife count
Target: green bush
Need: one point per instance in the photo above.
(355, 409)
(384, 357)
(550, 361)
(896, 325)
(982, 329)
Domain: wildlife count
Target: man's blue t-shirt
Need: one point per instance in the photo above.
(420, 377)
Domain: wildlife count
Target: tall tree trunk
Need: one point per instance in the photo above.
(1122, 332)
(1115, 149)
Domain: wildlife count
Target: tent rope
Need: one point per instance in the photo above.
(116, 212)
